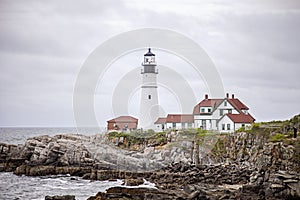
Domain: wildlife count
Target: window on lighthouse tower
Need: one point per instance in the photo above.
(149, 96)
(149, 57)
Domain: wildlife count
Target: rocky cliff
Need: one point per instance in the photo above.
(262, 163)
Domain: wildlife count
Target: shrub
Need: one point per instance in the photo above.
(242, 129)
(255, 126)
(115, 134)
(277, 137)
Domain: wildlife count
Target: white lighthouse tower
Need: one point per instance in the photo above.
(149, 109)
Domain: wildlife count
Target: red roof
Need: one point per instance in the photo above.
(125, 119)
(238, 104)
(206, 103)
(241, 118)
(161, 120)
(179, 118)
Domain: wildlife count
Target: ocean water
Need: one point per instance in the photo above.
(24, 187)
(36, 188)
(19, 135)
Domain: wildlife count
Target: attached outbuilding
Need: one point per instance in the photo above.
(179, 121)
(232, 122)
(160, 124)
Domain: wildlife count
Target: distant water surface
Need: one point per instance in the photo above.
(19, 135)
(14, 187)
(36, 188)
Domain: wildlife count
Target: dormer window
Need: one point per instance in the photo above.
(205, 110)
(225, 103)
(221, 112)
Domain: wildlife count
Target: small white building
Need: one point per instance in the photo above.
(175, 121)
(179, 121)
(232, 122)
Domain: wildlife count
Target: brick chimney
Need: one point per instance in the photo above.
(232, 96)
(227, 95)
(206, 96)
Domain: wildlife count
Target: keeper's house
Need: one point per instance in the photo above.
(224, 115)
(216, 114)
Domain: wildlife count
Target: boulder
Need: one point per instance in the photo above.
(133, 182)
(138, 194)
(64, 197)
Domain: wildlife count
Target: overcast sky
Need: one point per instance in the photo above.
(43, 44)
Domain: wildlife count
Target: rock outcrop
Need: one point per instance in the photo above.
(65, 197)
(59, 150)
(236, 166)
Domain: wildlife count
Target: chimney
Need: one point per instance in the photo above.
(232, 96)
(206, 96)
(227, 95)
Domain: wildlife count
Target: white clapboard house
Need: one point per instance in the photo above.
(217, 114)
(224, 115)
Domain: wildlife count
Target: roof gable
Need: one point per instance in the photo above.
(238, 104)
(241, 118)
(214, 103)
(161, 120)
(206, 103)
(124, 119)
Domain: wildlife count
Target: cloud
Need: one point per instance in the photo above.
(43, 45)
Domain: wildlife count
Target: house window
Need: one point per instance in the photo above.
(223, 127)
(243, 125)
(174, 125)
(225, 103)
(202, 110)
(149, 96)
(228, 126)
(229, 111)
(221, 112)
(209, 110)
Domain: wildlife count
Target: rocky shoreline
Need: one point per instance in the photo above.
(242, 166)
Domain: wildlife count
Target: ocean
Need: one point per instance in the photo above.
(31, 188)
(20, 134)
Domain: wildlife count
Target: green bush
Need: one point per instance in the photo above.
(277, 137)
(160, 134)
(242, 129)
(255, 126)
(115, 134)
(201, 132)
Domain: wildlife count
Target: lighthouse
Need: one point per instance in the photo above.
(149, 109)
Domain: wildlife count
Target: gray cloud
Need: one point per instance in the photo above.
(255, 46)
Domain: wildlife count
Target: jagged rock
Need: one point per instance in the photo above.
(277, 186)
(64, 197)
(251, 166)
(138, 194)
(58, 150)
(133, 182)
